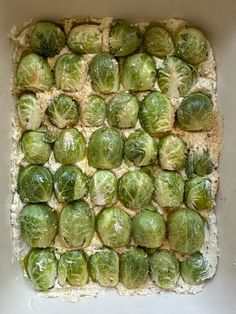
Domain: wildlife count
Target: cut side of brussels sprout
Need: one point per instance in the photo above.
(86, 38)
(134, 268)
(63, 111)
(135, 189)
(35, 184)
(76, 224)
(70, 183)
(185, 229)
(123, 39)
(156, 113)
(72, 268)
(104, 267)
(70, 72)
(93, 111)
(164, 269)
(198, 162)
(34, 73)
(105, 149)
(38, 225)
(114, 227)
(195, 113)
(47, 39)
(139, 72)
(104, 73)
(122, 110)
(158, 42)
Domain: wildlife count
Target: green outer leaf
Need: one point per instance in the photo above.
(93, 111)
(198, 162)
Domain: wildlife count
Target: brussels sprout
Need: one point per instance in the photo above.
(35, 184)
(198, 162)
(156, 113)
(72, 267)
(63, 111)
(172, 152)
(70, 183)
(93, 111)
(175, 78)
(191, 45)
(185, 229)
(141, 148)
(34, 147)
(76, 224)
(29, 112)
(114, 227)
(198, 194)
(169, 189)
(158, 42)
(104, 73)
(195, 113)
(195, 269)
(105, 149)
(70, 147)
(122, 110)
(34, 73)
(164, 269)
(123, 39)
(41, 267)
(135, 189)
(149, 229)
(85, 38)
(47, 39)
(104, 267)
(103, 188)
(70, 72)
(139, 72)
(134, 268)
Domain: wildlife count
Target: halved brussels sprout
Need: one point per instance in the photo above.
(72, 268)
(70, 183)
(134, 268)
(47, 39)
(135, 189)
(93, 111)
(195, 269)
(34, 73)
(38, 224)
(35, 184)
(76, 224)
(104, 73)
(29, 111)
(139, 72)
(141, 148)
(164, 269)
(198, 194)
(158, 42)
(122, 110)
(156, 113)
(191, 45)
(169, 189)
(105, 149)
(149, 229)
(104, 267)
(172, 152)
(185, 229)
(70, 72)
(34, 147)
(103, 188)
(195, 113)
(41, 267)
(86, 38)
(198, 162)
(114, 227)
(70, 147)
(63, 111)
(123, 39)
(175, 77)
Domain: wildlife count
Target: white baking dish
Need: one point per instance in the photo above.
(218, 19)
